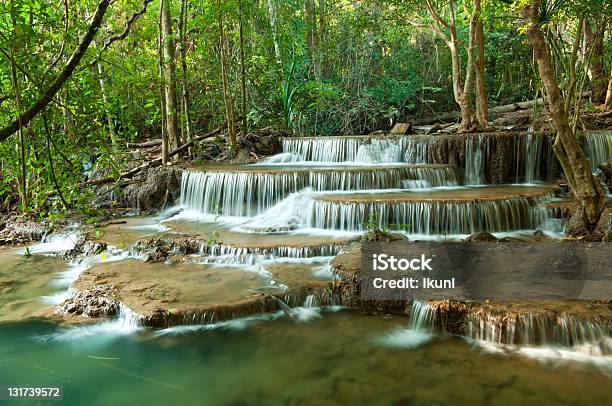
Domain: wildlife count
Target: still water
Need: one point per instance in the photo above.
(332, 358)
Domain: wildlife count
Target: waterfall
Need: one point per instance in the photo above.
(54, 243)
(347, 149)
(249, 193)
(598, 148)
(533, 148)
(430, 217)
(421, 328)
(324, 149)
(311, 301)
(418, 149)
(382, 151)
(422, 316)
(537, 329)
(247, 255)
(474, 160)
(283, 158)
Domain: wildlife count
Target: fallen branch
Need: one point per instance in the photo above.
(154, 163)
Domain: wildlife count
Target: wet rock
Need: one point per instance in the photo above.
(595, 237)
(605, 175)
(94, 302)
(158, 188)
(540, 236)
(20, 229)
(84, 247)
(401, 129)
(482, 236)
(264, 142)
(161, 249)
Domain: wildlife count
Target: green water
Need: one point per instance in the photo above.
(334, 359)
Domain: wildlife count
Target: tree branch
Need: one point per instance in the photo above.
(59, 81)
(126, 30)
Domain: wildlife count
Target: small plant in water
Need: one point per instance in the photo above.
(374, 230)
(26, 252)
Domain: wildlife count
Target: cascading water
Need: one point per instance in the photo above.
(474, 160)
(422, 316)
(249, 193)
(336, 149)
(418, 149)
(347, 149)
(538, 329)
(421, 328)
(598, 148)
(533, 148)
(430, 217)
(244, 255)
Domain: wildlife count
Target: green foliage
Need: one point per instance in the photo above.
(356, 67)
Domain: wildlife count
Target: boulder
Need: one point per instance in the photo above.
(482, 236)
(158, 188)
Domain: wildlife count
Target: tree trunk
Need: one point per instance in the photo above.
(59, 81)
(162, 86)
(245, 122)
(185, 97)
(461, 91)
(109, 118)
(229, 106)
(312, 37)
(23, 178)
(597, 71)
(573, 161)
(272, 15)
(323, 60)
(482, 102)
(169, 73)
(609, 93)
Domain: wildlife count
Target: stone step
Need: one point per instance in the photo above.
(167, 295)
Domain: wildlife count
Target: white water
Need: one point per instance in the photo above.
(598, 148)
(127, 322)
(474, 160)
(428, 217)
(54, 243)
(247, 193)
(420, 330)
(533, 147)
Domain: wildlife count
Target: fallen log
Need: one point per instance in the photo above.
(147, 144)
(455, 115)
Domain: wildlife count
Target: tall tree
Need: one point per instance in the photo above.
(585, 187)
(312, 36)
(595, 52)
(245, 122)
(185, 97)
(272, 17)
(482, 101)
(447, 30)
(169, 73)
(227, 99)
